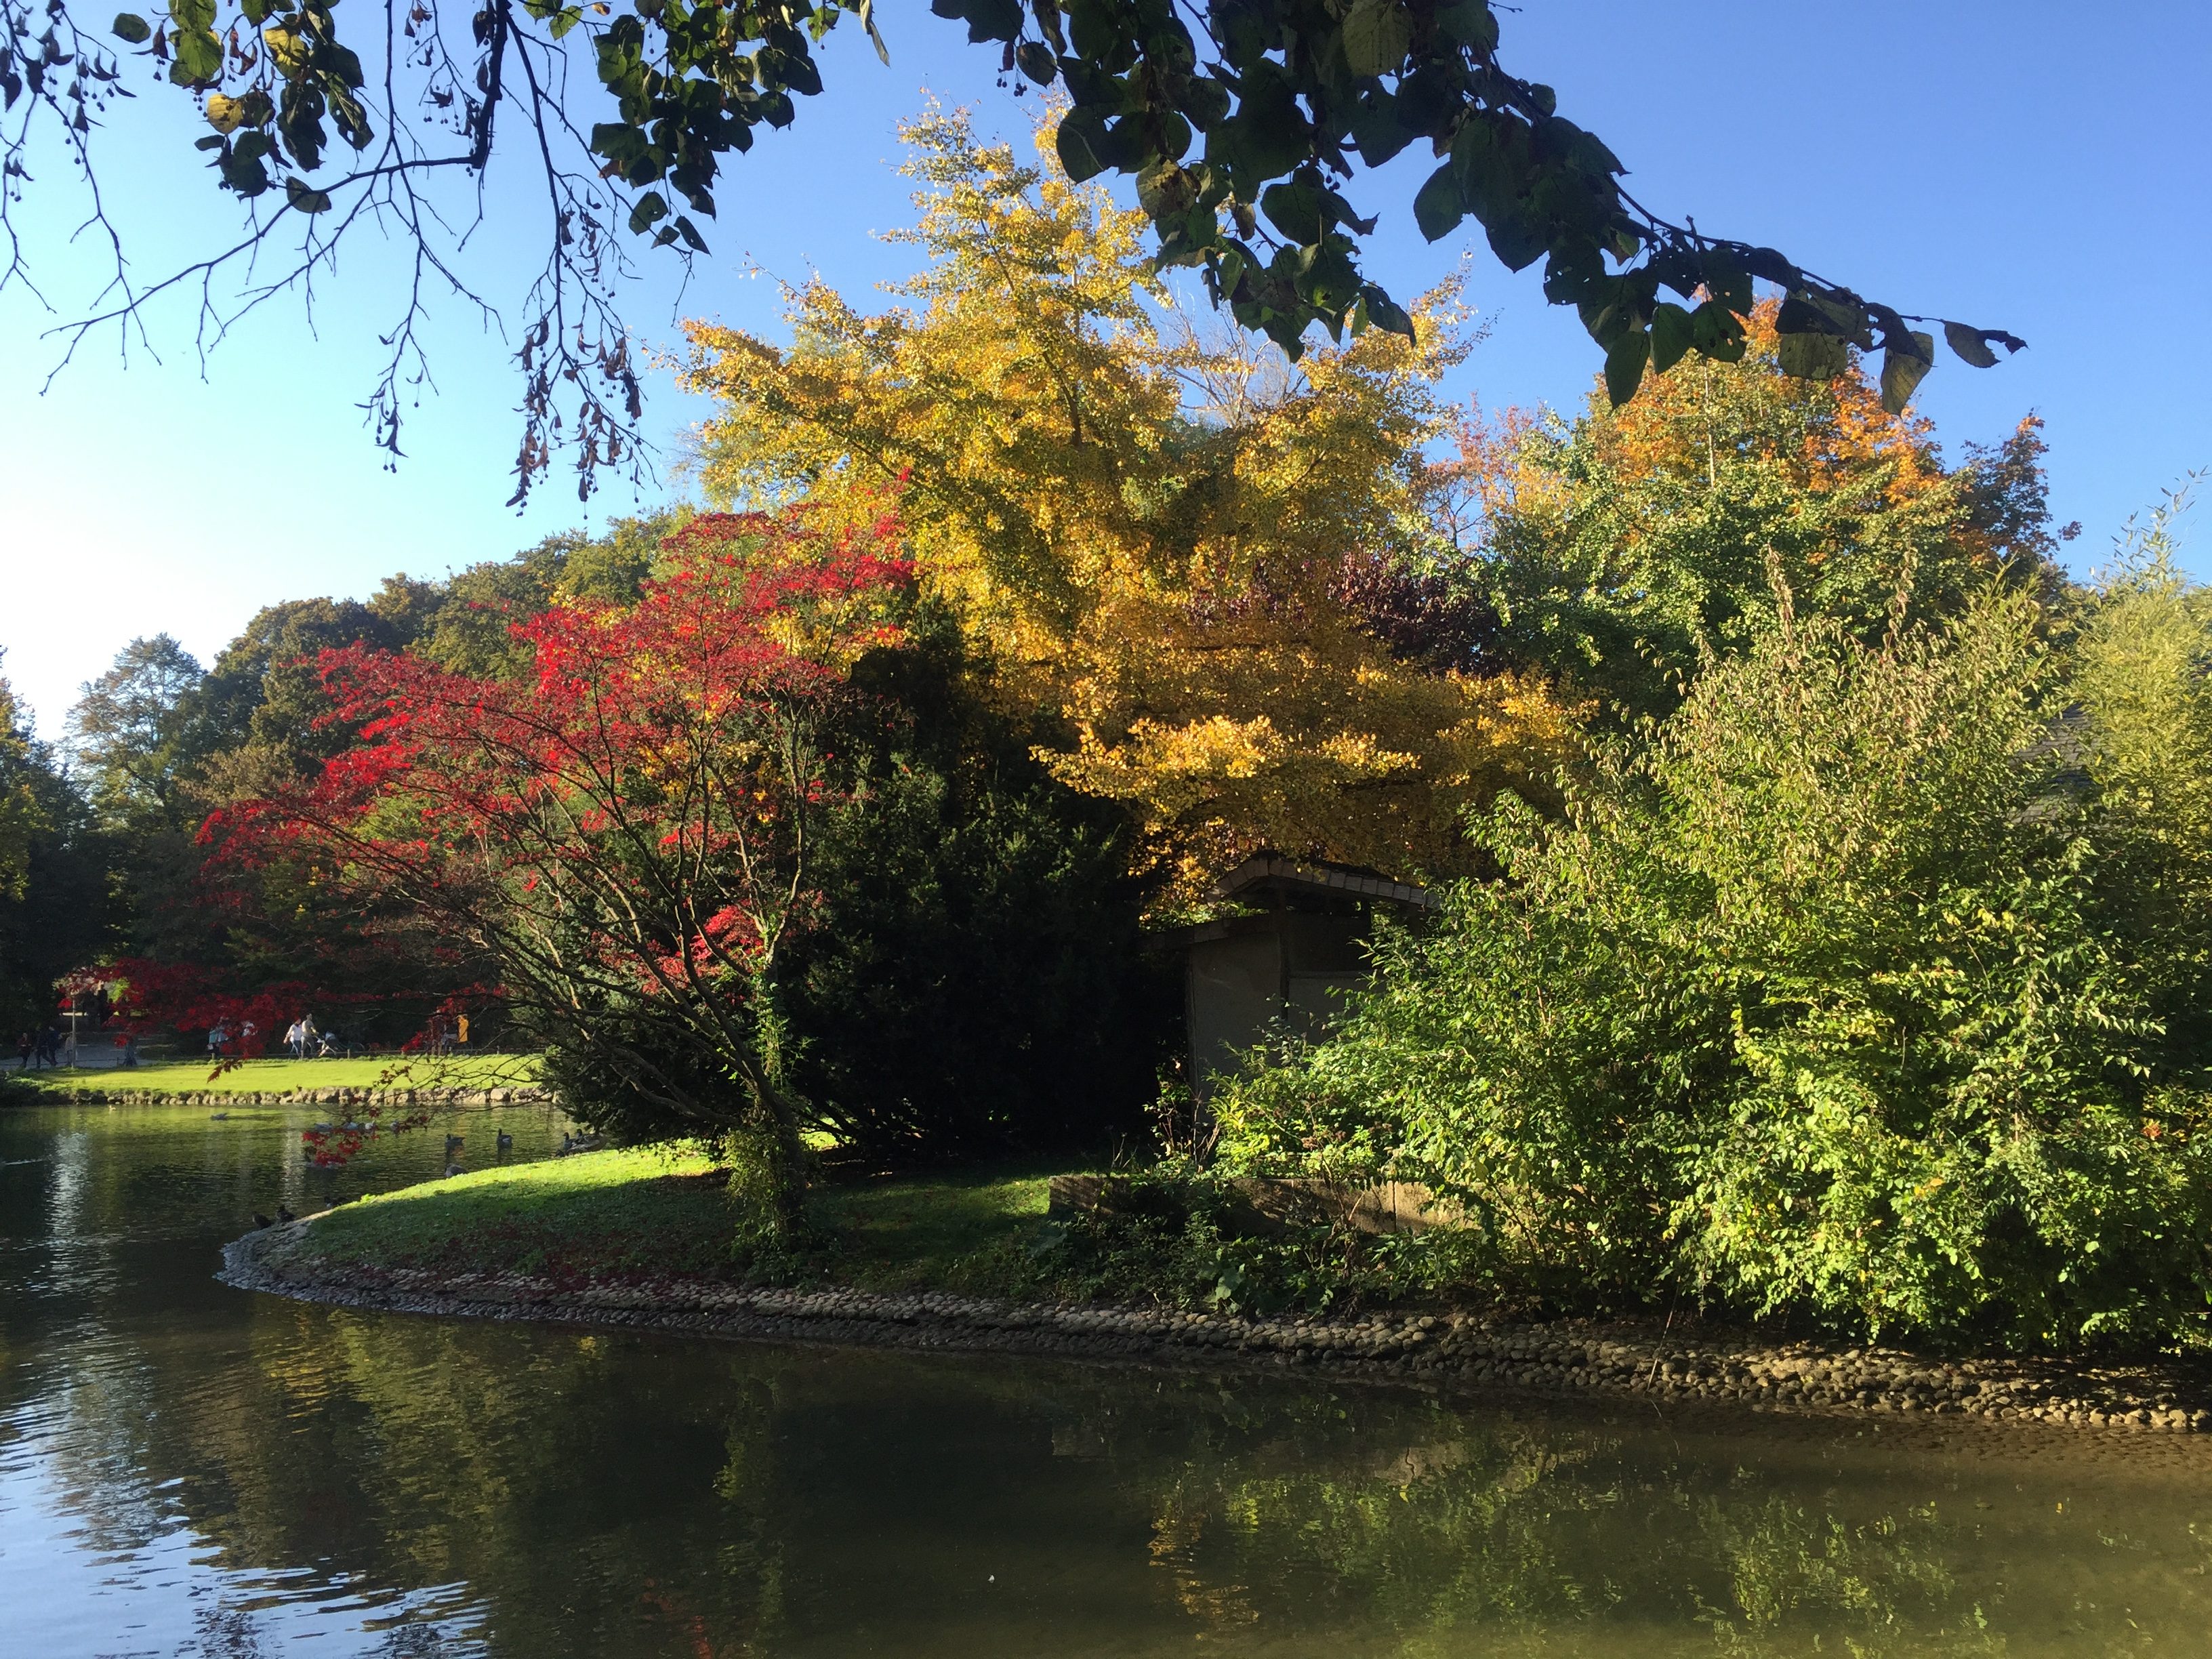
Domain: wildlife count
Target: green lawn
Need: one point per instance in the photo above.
(621, 1213)
(649, 1212)
(281, 1076)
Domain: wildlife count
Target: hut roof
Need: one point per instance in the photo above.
(1274, 872)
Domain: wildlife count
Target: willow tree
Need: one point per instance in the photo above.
(1216, 572)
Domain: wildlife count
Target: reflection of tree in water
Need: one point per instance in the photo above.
(587, 1494)
(1540, 1542)
(524, 1465)
(1885, 1584)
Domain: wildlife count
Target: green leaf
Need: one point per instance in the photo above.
(1230, 271)
(1385, 313)
(192, 16)
(1376, 130)
(1377, 34)
(129, 25)
(1471, 22)
(1516, 242)
(1077, 144)
(867, 16)
(1902, 371)
(1966, 341)
(689, 233)
(1674, 331)
(1037, 62)
(1716, 333)
(1295, 210)
(1814, 356)
(1439, 207)
(1806, 311)
(196, 58)
(301, 196)
(651, 207)
(1624, 366)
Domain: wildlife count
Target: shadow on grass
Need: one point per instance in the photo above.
(647, 1213)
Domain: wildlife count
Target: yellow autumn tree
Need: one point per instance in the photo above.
(1207, 563)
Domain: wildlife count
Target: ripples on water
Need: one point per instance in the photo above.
(188, 1470)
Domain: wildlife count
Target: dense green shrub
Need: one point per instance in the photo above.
(1839, 994)
(975, 981)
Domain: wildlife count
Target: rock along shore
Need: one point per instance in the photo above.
(1453, 1352)
(522, 1097)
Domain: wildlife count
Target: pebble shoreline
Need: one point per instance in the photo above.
(1451, 1352)
(523, 1097)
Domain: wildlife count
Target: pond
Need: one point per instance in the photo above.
(186, 1469)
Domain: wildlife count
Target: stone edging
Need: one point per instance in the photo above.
(1573, 1357)
(523, 1097)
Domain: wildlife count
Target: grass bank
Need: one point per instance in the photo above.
(654, 1213)
(283, 1076)
(642, 1239)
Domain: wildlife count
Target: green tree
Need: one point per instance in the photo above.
(1627, 548)
(1241, 126)
(976, 982)
(53, 877)
(135, 732)
(1828, 998)
(469, 630)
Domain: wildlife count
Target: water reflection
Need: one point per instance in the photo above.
(187, 1470)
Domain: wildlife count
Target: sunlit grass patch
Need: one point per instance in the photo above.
(283, 1076)
(616, 1213)
(653, 1212)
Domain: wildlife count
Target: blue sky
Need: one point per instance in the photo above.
(2024, 165)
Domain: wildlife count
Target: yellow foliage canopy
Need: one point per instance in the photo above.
(1152, 526)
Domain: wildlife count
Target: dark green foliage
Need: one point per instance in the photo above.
(55, 909)
(467, 629)
(975, 981)
(138, 739)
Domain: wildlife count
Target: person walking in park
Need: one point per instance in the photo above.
(23, 1051)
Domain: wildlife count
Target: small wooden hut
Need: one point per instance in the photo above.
(1296, 943)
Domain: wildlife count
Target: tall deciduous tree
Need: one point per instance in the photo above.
(1210, 568)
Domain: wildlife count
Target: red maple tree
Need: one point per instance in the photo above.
(622, 832)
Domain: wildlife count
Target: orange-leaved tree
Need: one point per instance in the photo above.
(1216, 577)
(1631, 546)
